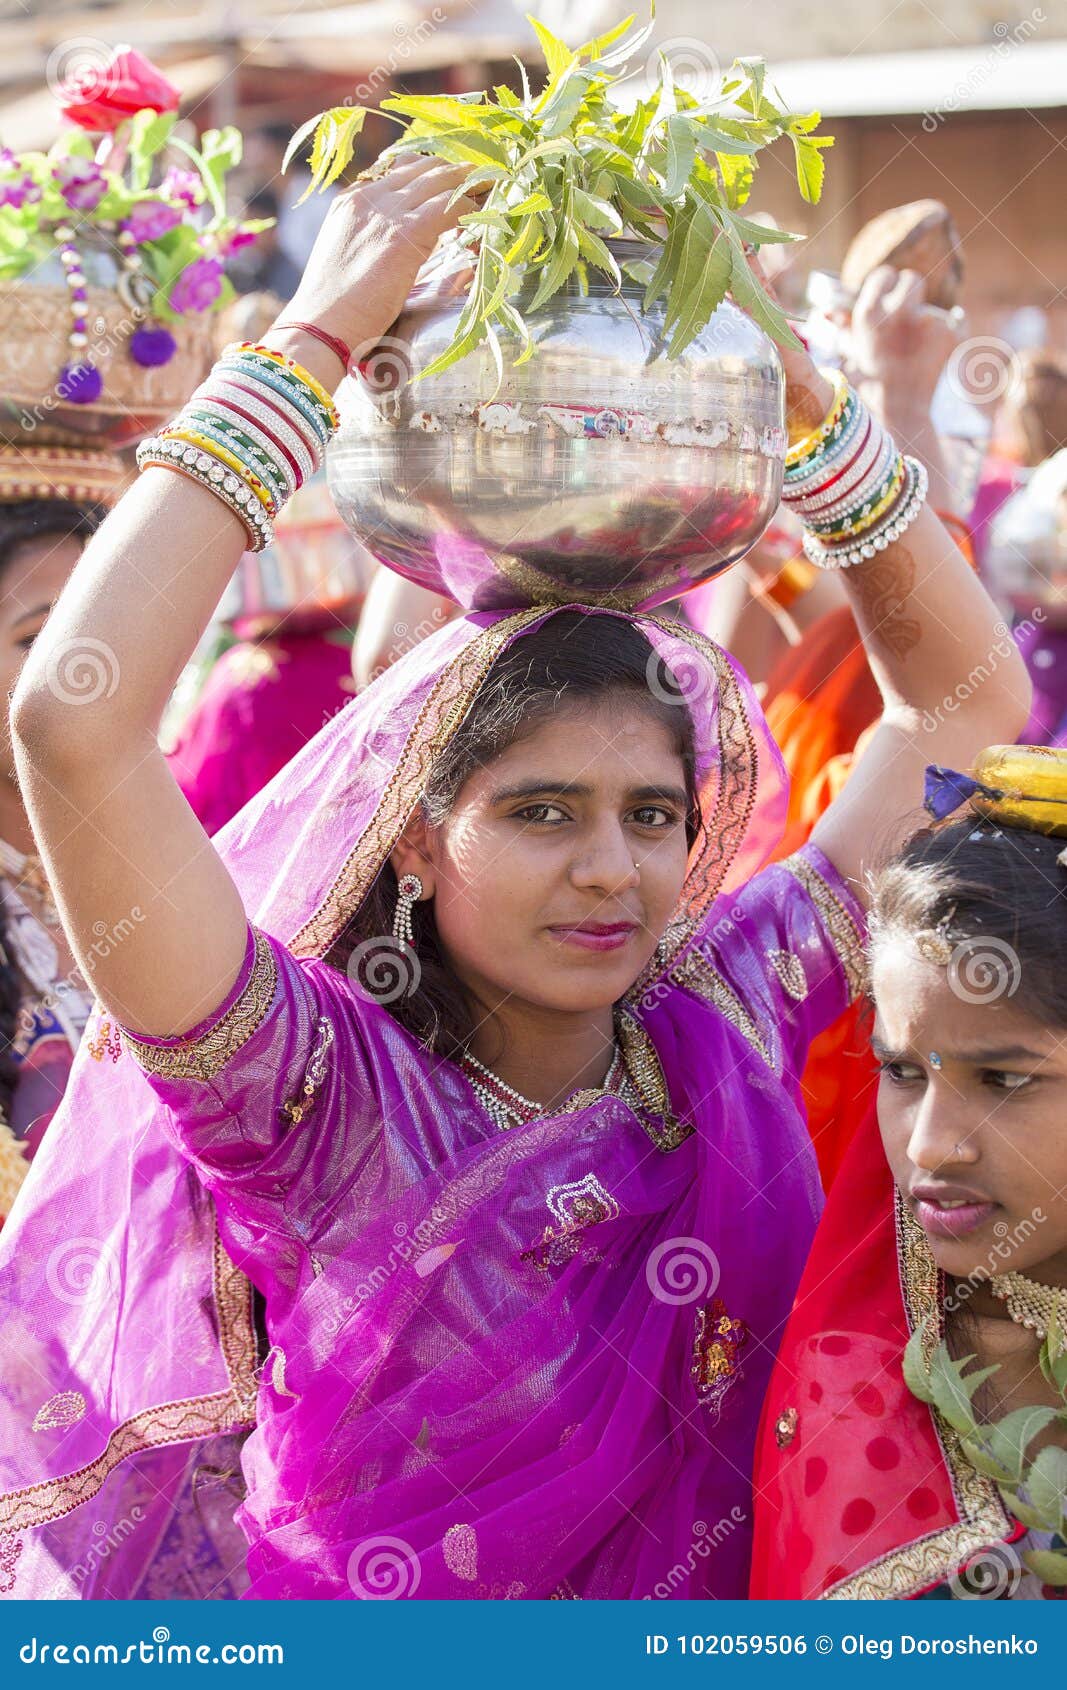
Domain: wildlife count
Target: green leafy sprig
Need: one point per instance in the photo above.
(565, 170)
(1035, 1491)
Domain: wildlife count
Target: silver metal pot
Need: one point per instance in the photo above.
(596, 472)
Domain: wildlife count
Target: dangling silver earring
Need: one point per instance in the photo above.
(410, 890)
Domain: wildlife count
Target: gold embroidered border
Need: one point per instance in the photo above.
(790, 971)
(167, 1423)
(201, 1058)
(926, 1561)
(645, 1070)
(448, 702)
(845, 936)
(696, 974)
(735, 799)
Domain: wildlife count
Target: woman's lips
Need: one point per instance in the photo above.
(596, 935)
(958, 1220)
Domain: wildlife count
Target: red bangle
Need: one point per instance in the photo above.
(333, 341)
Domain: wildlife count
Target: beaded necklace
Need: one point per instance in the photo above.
(1028, 1302)
(507, 1107)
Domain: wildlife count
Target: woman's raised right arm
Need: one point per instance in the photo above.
(152, 915)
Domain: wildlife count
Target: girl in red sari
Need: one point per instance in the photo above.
(955, 1224)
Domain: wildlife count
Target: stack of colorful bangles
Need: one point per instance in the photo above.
(853, 490)
(252, 433)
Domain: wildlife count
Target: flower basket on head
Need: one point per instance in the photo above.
(110, 267)
(571, 408)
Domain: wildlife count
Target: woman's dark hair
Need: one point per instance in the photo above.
(1000, 891)
(21, 523)
(44, 519)
(570, 658)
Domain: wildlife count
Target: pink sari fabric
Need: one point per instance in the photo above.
(521, 1364)
(262, 702)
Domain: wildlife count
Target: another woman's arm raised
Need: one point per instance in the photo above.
(123, 850)
(951, 678)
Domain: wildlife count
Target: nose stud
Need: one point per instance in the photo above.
(935, 1060)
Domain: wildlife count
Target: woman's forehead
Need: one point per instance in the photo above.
(595, 743)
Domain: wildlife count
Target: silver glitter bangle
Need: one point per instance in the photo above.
(890, 528)
(219, 389)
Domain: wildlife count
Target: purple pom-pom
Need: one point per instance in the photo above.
(150, 346)
(80, 384)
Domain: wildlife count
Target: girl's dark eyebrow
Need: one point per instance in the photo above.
(577, 789)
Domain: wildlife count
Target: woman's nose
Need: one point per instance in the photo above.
(604, 860)
(943, 1131)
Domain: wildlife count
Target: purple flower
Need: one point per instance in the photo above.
(81, 182)
(235, 240)
(149, 219)
(198, 286)
(18, 192)
(184, 187)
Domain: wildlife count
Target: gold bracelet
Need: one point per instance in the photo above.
(808, 442)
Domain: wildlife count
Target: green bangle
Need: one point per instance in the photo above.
(241, 446)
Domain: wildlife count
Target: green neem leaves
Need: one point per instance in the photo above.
(1034, 1489)
(565, 171)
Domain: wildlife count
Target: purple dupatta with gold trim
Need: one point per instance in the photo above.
(501, 1365)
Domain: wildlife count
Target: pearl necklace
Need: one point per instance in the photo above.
(507, 1107)
(1028, 1302)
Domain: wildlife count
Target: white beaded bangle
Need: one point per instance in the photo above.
(199, 466)
(891, 527)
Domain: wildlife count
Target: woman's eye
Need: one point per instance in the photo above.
(654, 815)
(900, 1073)
(535, 813)
(1001, 1080)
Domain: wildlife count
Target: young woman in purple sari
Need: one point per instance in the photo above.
(526, 1208)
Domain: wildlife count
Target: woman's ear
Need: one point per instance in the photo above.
(412, 855)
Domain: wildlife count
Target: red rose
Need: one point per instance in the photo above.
(103, 96)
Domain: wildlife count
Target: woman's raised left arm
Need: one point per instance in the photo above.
(951, 677)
